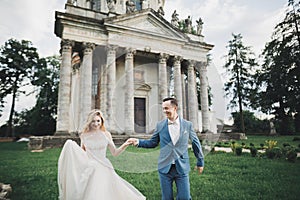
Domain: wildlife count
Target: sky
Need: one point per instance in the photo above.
(33, 20)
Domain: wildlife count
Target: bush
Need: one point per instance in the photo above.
(271, 143)
(290, 153)
(233, 146)
(273, 153)
(238, 150)
(296, 139)
(253, 151)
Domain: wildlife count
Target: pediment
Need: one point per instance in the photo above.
(147, 22)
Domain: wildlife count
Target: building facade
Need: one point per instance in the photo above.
(124, 57)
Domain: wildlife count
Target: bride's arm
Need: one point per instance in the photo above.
(113, 149)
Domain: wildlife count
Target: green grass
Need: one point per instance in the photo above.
(226, 176)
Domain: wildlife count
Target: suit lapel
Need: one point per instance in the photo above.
(181, 129)
(166, 131)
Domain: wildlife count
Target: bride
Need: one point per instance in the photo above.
(84, 173)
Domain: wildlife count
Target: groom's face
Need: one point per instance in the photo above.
(169, 109)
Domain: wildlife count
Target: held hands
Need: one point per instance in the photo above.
(127, 142)
(133, 141)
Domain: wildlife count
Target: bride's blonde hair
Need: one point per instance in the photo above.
(90, 118)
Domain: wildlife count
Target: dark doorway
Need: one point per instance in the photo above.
(140, 115)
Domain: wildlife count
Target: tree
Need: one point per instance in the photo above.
(279, 78)
(239, 63)
(17, 60)
(41, 119)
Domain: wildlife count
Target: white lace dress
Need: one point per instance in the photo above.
(89, 175)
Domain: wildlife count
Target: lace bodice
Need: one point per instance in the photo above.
(96, 146)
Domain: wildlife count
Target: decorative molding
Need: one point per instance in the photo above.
(144, 87)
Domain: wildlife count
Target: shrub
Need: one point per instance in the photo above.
(233, 146)
(253, 151)
(219, 144)
(286, 144)
(238, 150)
(296, 139)
(273, 153)
(271, 143)
(290, 153)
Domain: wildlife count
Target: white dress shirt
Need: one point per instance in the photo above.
(174, 130)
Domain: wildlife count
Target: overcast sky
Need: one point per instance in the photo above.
(33, 20)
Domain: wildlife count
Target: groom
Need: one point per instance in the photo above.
(173, 135)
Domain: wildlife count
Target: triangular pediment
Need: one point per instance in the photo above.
(146, 22)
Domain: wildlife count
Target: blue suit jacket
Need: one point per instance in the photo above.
(178, 152)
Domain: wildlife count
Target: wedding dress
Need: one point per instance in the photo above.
(89, 175)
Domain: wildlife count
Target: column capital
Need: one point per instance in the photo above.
(112, 47)
(192, 63)
(129, 53)
(178, 58)
(66, 44)
(163, 57)
(88, 47)
(202, 65)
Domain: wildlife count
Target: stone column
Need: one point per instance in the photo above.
(75, 101)
(64, 91)
(204, 96)
(163, 79)
(103, 90)
(192, 96)
(111, 84)
(184, 103)
(86, 83)
(177, 83)
(129, 92)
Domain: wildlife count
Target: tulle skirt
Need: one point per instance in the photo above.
(81, 177)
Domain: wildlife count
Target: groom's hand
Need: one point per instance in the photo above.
(199, 169)
(133, 141)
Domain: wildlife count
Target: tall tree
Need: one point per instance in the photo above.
(17, 59)
(239, 63)
(47, 80)
(279, 77)
(41, 119)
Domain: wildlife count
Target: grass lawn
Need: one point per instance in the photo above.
(226, 176)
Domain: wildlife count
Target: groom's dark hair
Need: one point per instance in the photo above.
(172, 100)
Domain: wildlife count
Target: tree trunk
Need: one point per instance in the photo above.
(240, 103)
(10, 129)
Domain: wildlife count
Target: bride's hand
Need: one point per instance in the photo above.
(128, 142)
